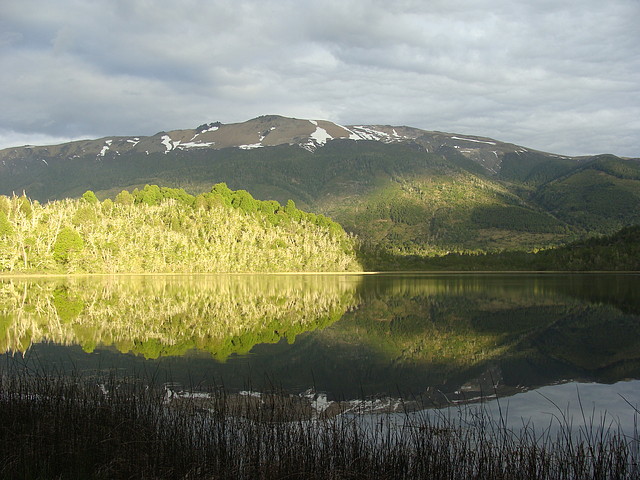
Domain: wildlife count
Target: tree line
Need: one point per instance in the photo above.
(158, 229)
(617, 252)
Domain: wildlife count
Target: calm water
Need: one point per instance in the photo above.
(444, 337)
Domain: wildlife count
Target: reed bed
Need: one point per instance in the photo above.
(72, 427)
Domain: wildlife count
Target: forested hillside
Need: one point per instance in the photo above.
(397, 197)
(616, 252)
(404, 192)
(168, 230)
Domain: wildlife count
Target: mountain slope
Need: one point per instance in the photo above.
(401, 189)
(600, 195)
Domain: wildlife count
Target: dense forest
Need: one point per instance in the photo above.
(167, 230)
(616, 252)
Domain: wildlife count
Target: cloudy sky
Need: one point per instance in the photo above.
(557, 75)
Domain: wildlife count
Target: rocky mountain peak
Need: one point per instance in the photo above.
(270, 131)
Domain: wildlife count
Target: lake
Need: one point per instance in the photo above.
(540, 342)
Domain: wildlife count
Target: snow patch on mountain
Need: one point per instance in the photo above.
(320, 136)
(166, 141)
(106, 147)
(195, 145)
(169, 144)
(472, 140)
(207, 127)
(368, 133)
(317, 139)
(251, 146)
(352, 134)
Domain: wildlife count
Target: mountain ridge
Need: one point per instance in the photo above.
(403, 191)
(275, 130)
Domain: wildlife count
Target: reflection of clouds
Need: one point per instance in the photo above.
(557, 406)
(553, 413)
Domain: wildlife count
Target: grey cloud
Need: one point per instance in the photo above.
(560, 77)
(8, 38)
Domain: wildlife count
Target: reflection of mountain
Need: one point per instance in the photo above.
(399, 334)
(450, 331)
(159, 316)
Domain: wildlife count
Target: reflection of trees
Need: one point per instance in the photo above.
(414, 330)
(434, 319)
(453, 323)
(156, 316)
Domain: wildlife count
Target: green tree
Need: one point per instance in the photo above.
(291, 210)
(150, 194)
(84, 215)
(270, 210)
(24, 205)
(124, 198)
(222, 189)
(6, 229)
(67, 242)
(107, 205)
(5, 204)
(90, 197)
(178, 194)
(244, 201)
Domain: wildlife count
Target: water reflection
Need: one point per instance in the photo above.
(168, 316)
(446, 337)
(464, 334)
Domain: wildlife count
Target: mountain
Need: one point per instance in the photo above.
(402, 190)
(269, 131)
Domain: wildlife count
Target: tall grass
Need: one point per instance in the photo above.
(59, 426)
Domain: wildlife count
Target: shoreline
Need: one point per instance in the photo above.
(347, 273)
